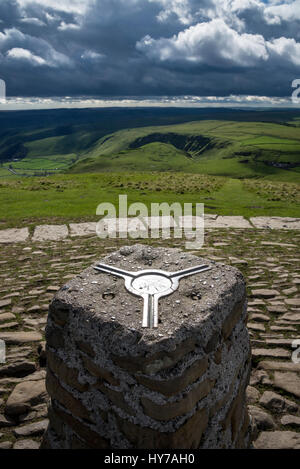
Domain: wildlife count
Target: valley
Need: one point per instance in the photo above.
(60, 164)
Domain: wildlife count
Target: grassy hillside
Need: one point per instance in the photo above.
(232, 149)
(32, 142)
(245, 164)
(71, 197)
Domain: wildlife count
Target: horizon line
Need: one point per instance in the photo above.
(84, 102)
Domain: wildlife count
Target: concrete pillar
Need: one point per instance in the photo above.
(114, 384)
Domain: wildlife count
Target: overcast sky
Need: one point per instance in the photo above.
(149, 47)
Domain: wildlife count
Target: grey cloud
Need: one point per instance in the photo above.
(39, 51)
(149, 47)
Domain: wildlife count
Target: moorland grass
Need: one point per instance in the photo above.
(69, 198)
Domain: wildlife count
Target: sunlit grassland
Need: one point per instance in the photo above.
(69, 198)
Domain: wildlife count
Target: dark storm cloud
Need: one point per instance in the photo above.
(149, 47)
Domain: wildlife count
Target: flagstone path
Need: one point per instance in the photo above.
(34, 267)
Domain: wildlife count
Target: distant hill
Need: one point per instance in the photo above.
(226, 148)
(213, 141)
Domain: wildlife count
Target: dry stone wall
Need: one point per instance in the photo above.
(114, 384)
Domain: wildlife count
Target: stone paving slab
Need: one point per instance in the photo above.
(136, 225)
(50, 232)
(190, 222)
(122, 225)
(14, 235)
(82, 229)
(228, 222)
(276, 223)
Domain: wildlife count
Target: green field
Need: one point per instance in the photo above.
(237, 165)
(66, 198)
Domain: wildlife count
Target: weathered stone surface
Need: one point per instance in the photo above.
(256, 327)
(157, 362)
(173, 386)
(15, 338)
(86, 348)
(24, 396)
(83, 229)
(60, 315)
(55, 337)
(125, 225)
(232, 319)
(252, 395)
(70, 375)
(279, 366)
(261, 420)
(278, 440)
(290, 291)
(175, 409)
(6, 317)
(148, 381)
(236, 414)
(26, 444)
(115, 397)
(9, 325)
(264, 293)
(6, 445)
(50, 233)
(228, 222)
(52, 288)
(99, 371)
(36, 376)
(57, 424)
(82, 429)
(259, 317)
(4, 303)
(289, 382)
(277, 309)
(231, 279)
(283, 329)
(34, 309)
(42, 352)
(282, 342)
(32, 429)
(5, 422)
(276, 223)
(290, 420)
(277, 403)
(14, 235)
(293, 301)
(282, 245)
(188, 436)
(19, 368)
(63, 396)
(77, 443)
(271, 352)
(187, 221)
(291, 317)
(243, 438)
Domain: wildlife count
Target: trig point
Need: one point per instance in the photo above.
(116, 384)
